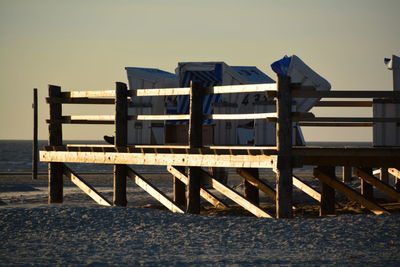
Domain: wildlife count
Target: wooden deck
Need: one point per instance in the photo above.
(188, 163)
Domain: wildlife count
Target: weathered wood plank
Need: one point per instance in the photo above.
(91, 93)
(343, 104)
(367, 190)
(81, 100)
(179, 188)
(269, 191)
(347, 173)
(165, 159)
(377, 183)
(303, 186)
(86, 187)
(345, 94)
(350, 193)
(371, 161)
(153, 191)
(284, 184)
(234, 196)
(327, 206)
(55, 139)
(35, 154)
(347, 151)
(197, 93)
(204, 193)
(226, 89)
(336, 124)
(121, 139)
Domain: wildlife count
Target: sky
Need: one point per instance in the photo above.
(86, 44)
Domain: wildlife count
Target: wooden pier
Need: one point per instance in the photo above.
(188, 163)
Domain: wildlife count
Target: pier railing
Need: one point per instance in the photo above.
(282, 158)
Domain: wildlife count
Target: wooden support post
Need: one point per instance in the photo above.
(384, 175)
(121, 139)
(179, 188)
(367, 190)
(284, 183)
(384, 187)
(35, 152)
(349, 192)
(250, 191)
(327, 192)
(55, 139)
(347, 173)
(197, 92)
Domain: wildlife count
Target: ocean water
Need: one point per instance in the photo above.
(16, 156)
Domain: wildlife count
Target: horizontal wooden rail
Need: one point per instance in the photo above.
(92, 93)
(345, 94)
(153, 191)
(336, 124)
(81, 100)
(163, 159)
(343, 104)
(226, 89)
(109, 119)
(352, 119)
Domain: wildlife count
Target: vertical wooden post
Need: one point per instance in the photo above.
(284, 183)
(35, 155)
(195, 141)
(384, 175)
(55, 139)
(327, 193)
(367, 190)
(251, 192)
(347, 173)
(179, 188)
(121, 139)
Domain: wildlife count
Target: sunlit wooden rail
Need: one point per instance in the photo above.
(194, 156)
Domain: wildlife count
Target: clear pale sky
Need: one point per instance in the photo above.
(85, 45)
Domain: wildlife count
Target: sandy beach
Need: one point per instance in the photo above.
(80, 232)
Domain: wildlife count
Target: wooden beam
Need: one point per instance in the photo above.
(377, 183)
(347, 173)
(179, 188)
(163, 159)
(92, 93)
(343, 104)
(234, 196)
(303, 186)
(284, 184)
(250, 190)
(345, 94)
(336, 124)
(350, 193)
(121, 139)
(327, 206)
(55, 139)
(384, 175)
(350, 120)
(226, 89)
(197, 92)
(204, 193)
(269, 191)
(35, 153)
(153, 191)
(369, 161)
(86, 187)
(81, 100)
(367, 190)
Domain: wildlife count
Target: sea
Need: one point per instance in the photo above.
(16, 157)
